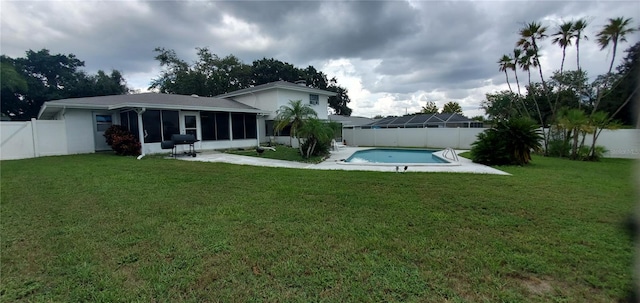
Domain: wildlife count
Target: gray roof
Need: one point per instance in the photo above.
(275, 85)
(351, 120)
(420, 120)
(147, 100)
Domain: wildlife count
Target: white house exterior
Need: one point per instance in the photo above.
(272, 96)
(236, 120)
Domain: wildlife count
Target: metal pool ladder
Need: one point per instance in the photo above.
(452, 153)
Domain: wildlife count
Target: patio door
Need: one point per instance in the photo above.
(101, 121)
(190, 123)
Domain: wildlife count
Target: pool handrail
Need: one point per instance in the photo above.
(452, 152)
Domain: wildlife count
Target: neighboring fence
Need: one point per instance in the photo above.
(460, 138)
(35, 138)
(622, 143)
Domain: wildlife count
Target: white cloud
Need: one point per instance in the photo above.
(391, 56)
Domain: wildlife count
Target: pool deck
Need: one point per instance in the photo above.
(334, 162)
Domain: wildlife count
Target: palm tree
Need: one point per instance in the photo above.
(529, 36)
(517, 54)
(526, 62)
(316, 133)
(574, 120)
(579, 27)
(294, 116)
(614, 32)
(563, 38)
(505, 64)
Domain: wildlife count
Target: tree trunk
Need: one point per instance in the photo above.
(506, 75)
(564, 49)
(574, 151)
(517, 81)
(578, 51)
(613, 58)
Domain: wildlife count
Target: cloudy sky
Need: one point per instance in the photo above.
(393, 56)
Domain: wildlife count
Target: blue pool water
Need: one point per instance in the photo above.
(381, 155)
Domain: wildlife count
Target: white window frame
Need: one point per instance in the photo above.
(314, 99)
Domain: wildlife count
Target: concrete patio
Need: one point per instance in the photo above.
(335, 162)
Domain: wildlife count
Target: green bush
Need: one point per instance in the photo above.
(122, 141)
(507, 143)
(318, 135)
(559, 148)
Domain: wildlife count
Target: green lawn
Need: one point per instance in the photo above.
(106, 228)
(282, 152)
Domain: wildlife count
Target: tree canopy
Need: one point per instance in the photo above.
(40, 76)
(566, 102)
(429, 108)
(211, 75)
(452, 107)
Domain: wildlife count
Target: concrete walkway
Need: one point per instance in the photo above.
(334, 162)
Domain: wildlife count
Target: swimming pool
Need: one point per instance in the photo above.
(393, 156)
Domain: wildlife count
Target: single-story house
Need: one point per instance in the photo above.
(239, 119)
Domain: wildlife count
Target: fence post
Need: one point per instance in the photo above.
(34, 136)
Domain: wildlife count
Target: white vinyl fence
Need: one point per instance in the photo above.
(35, 138)
(622, 143)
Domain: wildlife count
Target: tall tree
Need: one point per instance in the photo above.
(52, 77)
(526, 62)
(212, 75)
(628, 73)
(578, 29)
(452, 107)
(429, 108)
(209, 76)
(530, 35)
(498, 106)
(614, 32)
(505, 63)
(517, 55)
(339, 103)
(270, 70)
(293, 116)
(563, 38)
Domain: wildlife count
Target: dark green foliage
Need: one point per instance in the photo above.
(318, 135)
(452, 107)
(626, 88)
(122, 141)
(559, 148)
(41, 76)
(211, 75)
(507, 143)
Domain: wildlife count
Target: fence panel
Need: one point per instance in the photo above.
(17, 140)
(51, 138)
(35, 138)
(622, 143)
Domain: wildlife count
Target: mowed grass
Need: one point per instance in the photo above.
(281, 152)
(104, 228)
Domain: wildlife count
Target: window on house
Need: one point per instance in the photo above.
(314, 99)
(129, 120)
(244, 126)
(269, 125)
(170, 124)
(159, 125)
(222, 126)
(208, 123)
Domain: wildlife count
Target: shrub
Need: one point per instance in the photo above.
(508, 142)
(122, 141)
(318, 135)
